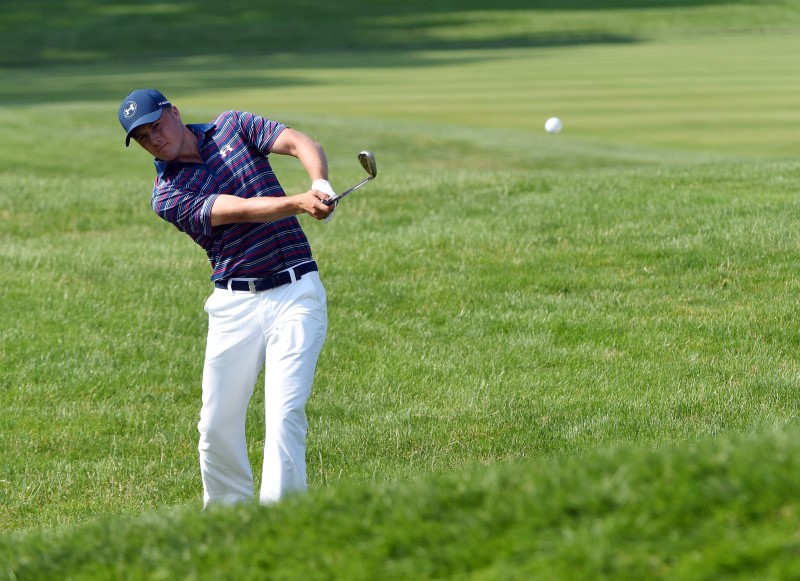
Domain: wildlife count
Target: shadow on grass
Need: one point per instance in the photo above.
(57, 51)
(52, 31)
(98, 81)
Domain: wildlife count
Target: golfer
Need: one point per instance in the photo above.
(268, 309)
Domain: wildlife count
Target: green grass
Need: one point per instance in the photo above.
(572, 356)
(699, 512)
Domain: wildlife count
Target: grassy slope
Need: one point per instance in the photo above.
(649, 297)
(697, 512)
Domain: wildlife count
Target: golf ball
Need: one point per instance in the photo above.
(553, 125)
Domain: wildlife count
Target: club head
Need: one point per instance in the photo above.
(368, 163)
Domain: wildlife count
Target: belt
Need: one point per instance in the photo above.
(262, 284)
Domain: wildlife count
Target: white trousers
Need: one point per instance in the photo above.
(282, 331)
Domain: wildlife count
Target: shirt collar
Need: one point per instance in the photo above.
(201, 130)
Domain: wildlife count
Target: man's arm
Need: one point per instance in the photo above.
(307, 150)
(232, 209)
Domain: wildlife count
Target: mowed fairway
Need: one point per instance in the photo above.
(538, 343)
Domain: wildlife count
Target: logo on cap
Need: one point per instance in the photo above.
(130, 109)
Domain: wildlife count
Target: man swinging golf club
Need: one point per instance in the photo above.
(268, 309)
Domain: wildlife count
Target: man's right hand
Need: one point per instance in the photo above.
(311, 204)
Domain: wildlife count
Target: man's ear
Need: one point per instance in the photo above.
(175, 113)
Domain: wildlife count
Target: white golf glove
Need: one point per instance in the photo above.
(324, 187)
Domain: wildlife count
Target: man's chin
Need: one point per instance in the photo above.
(164, 154)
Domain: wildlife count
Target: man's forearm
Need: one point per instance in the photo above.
(313, 158)
(231, 209)
(304, 148)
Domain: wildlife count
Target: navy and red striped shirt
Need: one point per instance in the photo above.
(234, 148)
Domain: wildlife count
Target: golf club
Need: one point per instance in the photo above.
(368, 163)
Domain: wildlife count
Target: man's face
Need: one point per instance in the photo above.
(163, 138)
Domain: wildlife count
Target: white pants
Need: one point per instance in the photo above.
(282, 331)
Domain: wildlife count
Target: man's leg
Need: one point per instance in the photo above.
(234, 358)
(294, 343)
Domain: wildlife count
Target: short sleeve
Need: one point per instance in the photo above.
(189, 209)
(258, 131)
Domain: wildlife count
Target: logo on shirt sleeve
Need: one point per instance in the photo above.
(226, 150)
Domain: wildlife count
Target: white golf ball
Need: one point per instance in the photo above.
(553, 125)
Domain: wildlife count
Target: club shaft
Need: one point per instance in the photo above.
(335, 199)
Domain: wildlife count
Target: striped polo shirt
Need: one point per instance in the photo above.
(234, 149)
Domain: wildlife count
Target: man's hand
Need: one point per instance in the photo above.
(326, 188)
(311, 203)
